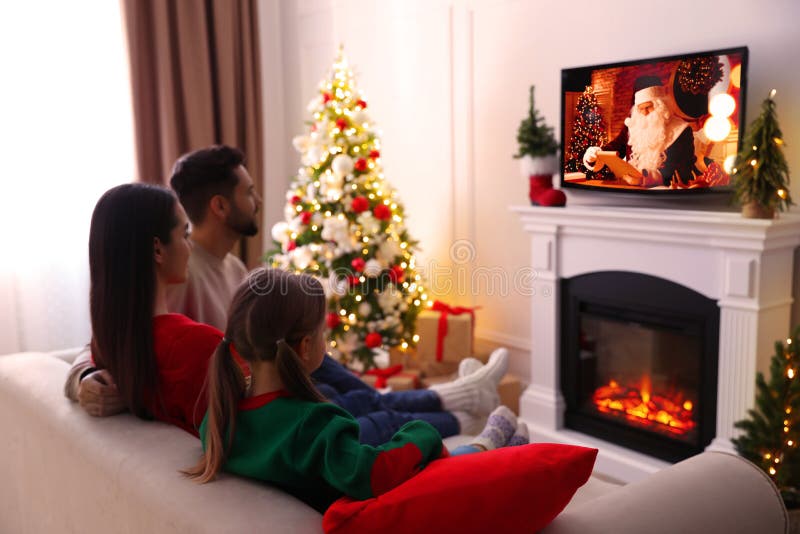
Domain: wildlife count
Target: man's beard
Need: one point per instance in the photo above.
(241, 223)
(648, 136)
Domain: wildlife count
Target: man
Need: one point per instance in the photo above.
(218, 195)
(654, 140)
(220, 200)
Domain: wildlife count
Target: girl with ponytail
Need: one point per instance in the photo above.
(280, 429)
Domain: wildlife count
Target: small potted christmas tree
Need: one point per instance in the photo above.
(761, 174)
(771, 431)
(537, 154)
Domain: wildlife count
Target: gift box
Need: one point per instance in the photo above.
(445, 334)
(510, 390)
(395, 377)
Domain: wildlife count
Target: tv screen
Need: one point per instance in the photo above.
(669, 125)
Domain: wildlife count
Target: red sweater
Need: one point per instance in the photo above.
(183, 349)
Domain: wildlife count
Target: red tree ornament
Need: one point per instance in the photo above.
(359, 205)
(341, 123)
(326, 97)
(291, 246)
(373, 340)
(396, 274)
(362, 104)
(382, 212)
(296, 199)
(375, 154)
(358, 264)
(361, 165)
(332, 320)
(305, 217)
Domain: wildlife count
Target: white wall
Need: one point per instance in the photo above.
(447, 82)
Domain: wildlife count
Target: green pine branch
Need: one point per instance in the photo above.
(761, 172)
(535, 138)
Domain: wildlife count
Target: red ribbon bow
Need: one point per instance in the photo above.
(383, 375)
(446, 310)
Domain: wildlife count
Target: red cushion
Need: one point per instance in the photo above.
(514, 489)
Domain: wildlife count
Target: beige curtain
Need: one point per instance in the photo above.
(195, 74)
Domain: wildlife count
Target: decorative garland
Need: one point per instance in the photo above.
(698, 75)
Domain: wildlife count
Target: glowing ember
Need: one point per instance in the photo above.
(641, 406)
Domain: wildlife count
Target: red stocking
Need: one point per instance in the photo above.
(542, 192)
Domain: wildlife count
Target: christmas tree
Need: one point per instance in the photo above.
(761, 174)
(772, 429)
(344, 224)
(588, 130)
(535, 138)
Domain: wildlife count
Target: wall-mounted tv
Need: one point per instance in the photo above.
(668, 125)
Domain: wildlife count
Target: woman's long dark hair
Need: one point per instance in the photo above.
(271, 313)
(125, 223)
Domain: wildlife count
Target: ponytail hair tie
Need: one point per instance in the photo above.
(226, 341)
(280, 340)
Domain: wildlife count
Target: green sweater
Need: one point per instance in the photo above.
(311, 450)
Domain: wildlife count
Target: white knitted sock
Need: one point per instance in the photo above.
(467, 366)
(468, 423)
(499, 428)
(476, 398)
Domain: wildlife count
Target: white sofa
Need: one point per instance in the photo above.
(64, 471)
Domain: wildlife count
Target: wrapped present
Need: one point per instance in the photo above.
(510, 390)
(445, 333)
(395, 377)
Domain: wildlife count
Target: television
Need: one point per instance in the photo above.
(664, 126)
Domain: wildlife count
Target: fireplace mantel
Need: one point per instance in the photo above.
(746, 265)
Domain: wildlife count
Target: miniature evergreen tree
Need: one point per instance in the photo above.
(761, 173)
(588, 130)
(772, 429)
(344, 224)
(535, 138)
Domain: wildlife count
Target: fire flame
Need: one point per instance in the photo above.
(641, 406)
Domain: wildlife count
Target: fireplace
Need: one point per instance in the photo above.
(744, 266)
(638, 362)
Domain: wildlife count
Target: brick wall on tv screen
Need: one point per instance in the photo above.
(617, 83)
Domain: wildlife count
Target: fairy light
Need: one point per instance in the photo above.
(790, 374)
(415, 338)
(358, 298)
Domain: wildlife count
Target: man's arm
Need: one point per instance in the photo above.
(94, 389)
(82, 364)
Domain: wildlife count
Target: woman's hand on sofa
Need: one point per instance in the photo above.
(98, 394)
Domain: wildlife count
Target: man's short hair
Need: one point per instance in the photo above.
(200, 175)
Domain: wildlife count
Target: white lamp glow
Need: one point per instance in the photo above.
(717, 128)
(722, 105)
(728, 164)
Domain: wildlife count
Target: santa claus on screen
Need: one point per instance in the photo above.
(654, 140)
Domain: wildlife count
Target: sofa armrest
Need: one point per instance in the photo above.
(710, 492)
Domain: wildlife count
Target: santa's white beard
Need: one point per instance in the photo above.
(648, 136)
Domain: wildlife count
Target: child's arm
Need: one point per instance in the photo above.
(332, 450)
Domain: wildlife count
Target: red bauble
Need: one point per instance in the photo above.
(305, 217)
(291, 246)
(341, 123)
(373, 340)
(332, 320)
(358, 264)
(353, 279)
(396, 274)
(361, 165)
(374, 154)
(326, 97)
(359, 205)
(362, 104)
(382, 212)
(296, 199)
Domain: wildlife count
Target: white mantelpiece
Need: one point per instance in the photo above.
(746, 265)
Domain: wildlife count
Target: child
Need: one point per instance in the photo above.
(281, 430)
